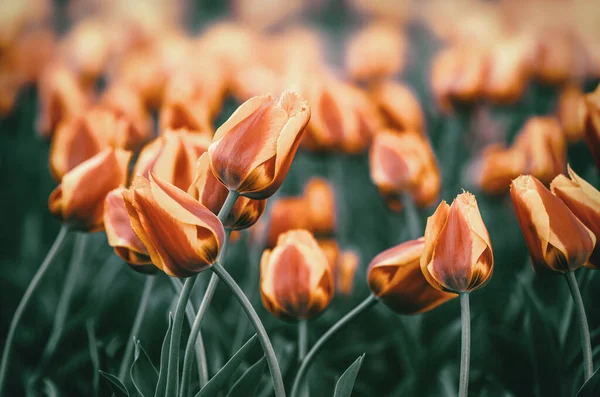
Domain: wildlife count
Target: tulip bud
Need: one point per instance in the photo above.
(79, 199)
(181, 235)
(571, 112)
(252, 151)
(556, 239)
(509, 69)
(497, 167)
(399, 106)
(172, 157)
(346, 269)
(286, 214)
(121, 236)
(320, 201)
(457, 256)
(584, 201)
(395, 278)
(296, 281)
(126, 103)
(212, 194)
(591, 132)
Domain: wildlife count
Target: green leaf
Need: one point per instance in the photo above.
(94, 356)
(220, 379)
(143, 373)
(247, 384)
(161, 384)
(50, 388)
(116, 385)
(345, 384)
(591, 388)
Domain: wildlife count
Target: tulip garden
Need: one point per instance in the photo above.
(300, 198)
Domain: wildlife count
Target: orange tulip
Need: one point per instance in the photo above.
(396, 279)
(286, 214)
(399, 106)
(120, 234)
(295, 278)
(172, 157)
(571, 112)
(591, 132)
(457, 256)
(79, 199)
(331, 250)
(556, 239)
(508, 69)
(544, 147)
(555, 57)
(252, 151)
(320, 202)
(126, 103)
(584, 201)
(403, 163)
(497, 167)
(212, 194)
(346, 270)
(181, 235)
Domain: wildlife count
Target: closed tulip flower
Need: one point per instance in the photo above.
(556, 239)
(212, 194)
(252, 151)
(181, 235)
(120, 234)
(508, 69)
(395, 277)
(399, 106)
(584, 201)
(126, 103)
(321, 208)
(497, 167)
(457, 256)
(571, 112)
(86, 48)
(287, 213)
(79, 199)
(331, 249)
(296, 281)
(345, 272)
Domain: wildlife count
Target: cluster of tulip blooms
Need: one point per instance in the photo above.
(170, 203)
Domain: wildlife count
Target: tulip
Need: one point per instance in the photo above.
(509, 69)
(79, 199)
(591, 132)
(181, 235)
(287, 213)
(252, 151)
(556, 239)
(126, 103)
(120, 234)
(399, 106)
(212, 194)
(497, 167)
(172, 157)
(320, 202)
(457, 256)
(346, 270)
(296, 280)
(571, 112)
(584, 201)
(331, 250)
(555, 57)
(86, 49)
(395, 277)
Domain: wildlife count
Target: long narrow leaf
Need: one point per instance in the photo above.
(143, 373)
(345, 384)
(116, 385)
(591, 388)
(161, 385)
(247, 384)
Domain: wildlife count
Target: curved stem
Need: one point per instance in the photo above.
(369, 302)
(411, 214)
(465, 349)
(195, 330)
(173, 366)
(584, 332)
(263, 337)
(8, 345)
(137, 323)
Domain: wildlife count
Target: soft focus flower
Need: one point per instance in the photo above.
(457, 256)
(508, 69)
(120, 234)
(331, 249)
(295, 279)
(286, 214)
(556, 239)
(396, 279)
(321, 207)
(181, 235)
(79, 199)
(555, 59)
(543, 144)
(497, 167)
(571, 111)
(399, 106)
(172, 157)
(261, 15)
(376, 51)
(207, 189)
(584, 201)
(345, 272)
(591, 132)
(126, 103)
(252, 151)
(403, 163)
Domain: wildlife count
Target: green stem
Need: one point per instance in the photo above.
(369, 302)
(263, 337)
(8, 345)
(135, 329)
(415, 229)
(465, 345)
(302, 339)
(64, 302)
(195, 330)
(173, 366)
(584, 332)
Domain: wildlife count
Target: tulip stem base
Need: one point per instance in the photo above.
(302, 339)
(584, 331)
(369, 302)
(137, 324)
(263, 337)
(465, 345)
(8, 345)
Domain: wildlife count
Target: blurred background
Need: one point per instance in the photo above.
(467, 76)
